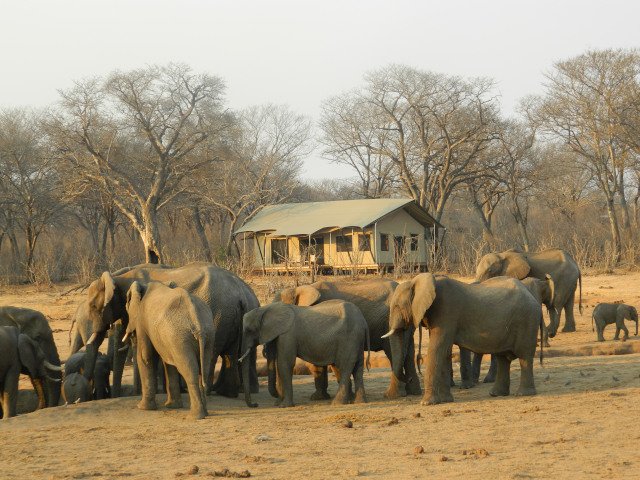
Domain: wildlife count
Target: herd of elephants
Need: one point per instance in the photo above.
(177, 322)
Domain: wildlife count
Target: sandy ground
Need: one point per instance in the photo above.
(581, 424)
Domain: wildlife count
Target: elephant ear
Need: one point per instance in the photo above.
(307, 295)
(514, 265)
(109, 287)
(27, 349)
(423, 289)
(135, 293)
(276, 320)
(552, 289)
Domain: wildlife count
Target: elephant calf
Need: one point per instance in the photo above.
(99, 387)
(20, 354)
(178, 327)
(607, 313)
(76, 388)
(330, 333)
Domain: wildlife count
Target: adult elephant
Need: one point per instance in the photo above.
(497, 316)
(373, 299)
(555, 262)
(34, 325)
(20, 354)
(228, 297)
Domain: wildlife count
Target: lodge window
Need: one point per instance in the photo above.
(344, 243)
(278, 250)
(384, 242)
(414, 242)
(364, 243)
(399, 244)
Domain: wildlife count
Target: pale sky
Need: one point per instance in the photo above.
(300, 52)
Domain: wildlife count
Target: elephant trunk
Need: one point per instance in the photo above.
(398, 342)
(92, 354)
(118, 357)
(247, 344)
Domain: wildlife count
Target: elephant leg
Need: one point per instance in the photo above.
(501, 386)
(253, 371)
(285, 372)
(343, 395)
(118, 358)
(393, 390)
(212, 368)
(38, 387)
(10, 394)
(436, 375)
(491, 374)
(545, 334)
(172, 382)
(190, 371)
(466, 375)
(475, 367)
(527, 385)
(358, 379)
(228, 384)
(621, 327)
(147, 360)
(137, 385)
(321, 381)
(569, 320)
(412, 387)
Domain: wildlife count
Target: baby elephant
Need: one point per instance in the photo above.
(99, 387)
(329, 333)
(76, 388)
(178, 327)
(607, 313)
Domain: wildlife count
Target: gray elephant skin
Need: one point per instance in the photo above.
(178, 327)
(555, 262)
(372, 298)
(497, 316)
(607, 313)
(34, 324)
(20, 354)
(329, 333)
(76, 388)
(228, 297)
(543, 291)
(100, 388)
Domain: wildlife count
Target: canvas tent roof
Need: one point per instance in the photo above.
(308, 218)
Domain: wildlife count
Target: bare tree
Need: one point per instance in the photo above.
(29, 183)
(581, 107)
(349, 140)
(431, 127)
(261, 164)
(138, 135)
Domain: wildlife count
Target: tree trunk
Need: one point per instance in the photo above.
(626, 221)
(197, 220)
(615, 232)
(150, 236)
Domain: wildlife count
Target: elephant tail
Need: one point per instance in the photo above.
(71, 329)
(580, 300)
(203, 375)
(368, 362)
(419, 356)
(541, 337)
(593, 329)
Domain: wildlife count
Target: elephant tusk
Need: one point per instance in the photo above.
(92, 338)
(389, 333)
(244, 356)
(52, 367)
(57, 380)
(124, 349)
(126, 337)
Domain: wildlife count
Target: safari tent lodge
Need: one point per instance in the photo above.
(343, 236)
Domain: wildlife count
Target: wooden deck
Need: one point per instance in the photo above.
(282, 269)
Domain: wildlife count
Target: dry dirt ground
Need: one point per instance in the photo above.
(582, 423)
